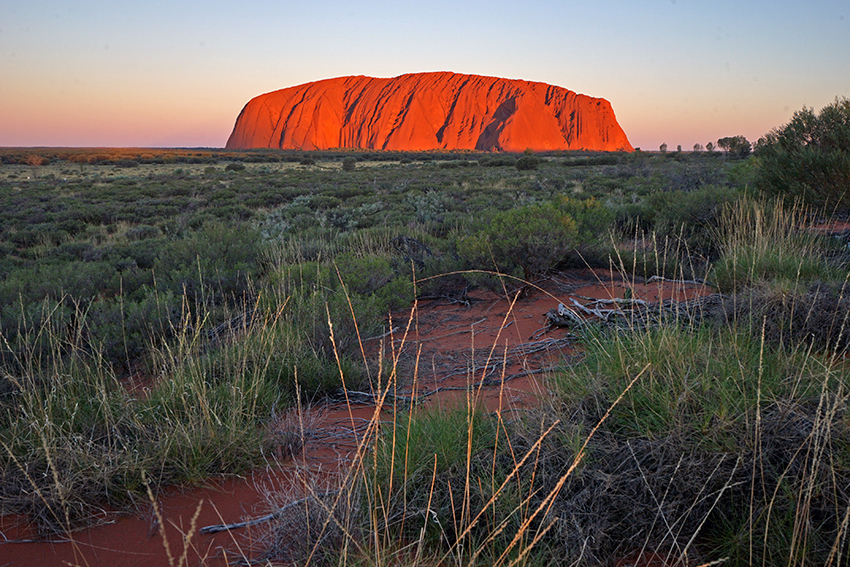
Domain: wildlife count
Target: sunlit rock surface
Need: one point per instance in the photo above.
(427, 111)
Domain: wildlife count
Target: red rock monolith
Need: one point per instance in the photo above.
(428, 111)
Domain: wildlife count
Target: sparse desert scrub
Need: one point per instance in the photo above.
(451, 484)
(221, 287)
(696, 442)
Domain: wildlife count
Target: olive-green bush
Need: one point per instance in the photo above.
(809, 158)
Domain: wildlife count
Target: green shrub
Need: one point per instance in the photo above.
(215, 265)
(363, 275)
(809, 158)
(142, 232)
(527, 163)
(540, 237)
(692, 216)
(533, 238)
(357, 289)
(350, 163)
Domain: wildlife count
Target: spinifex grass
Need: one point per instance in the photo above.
(769, 242)
(789, 281)
(702, 383)
(699, 443)
(75, 440)
(726, 447)
(68, 429)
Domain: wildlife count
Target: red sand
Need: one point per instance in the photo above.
(458, 345)
(428, 111)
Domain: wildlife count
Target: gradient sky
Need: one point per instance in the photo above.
(152, 73)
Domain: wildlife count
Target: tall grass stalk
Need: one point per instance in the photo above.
(769, 241)
(450, 484)
(77, 440)
(746, 441)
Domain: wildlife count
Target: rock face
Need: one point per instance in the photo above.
(428, 111)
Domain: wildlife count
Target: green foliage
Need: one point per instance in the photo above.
(534, 238)
(211, 266)
(440, 433)
(363, 275)
(537, 238)
(357, 289)
(349, 163)
(689, 216)
(809, 158)
(527, 163)
(223, 289)
(673, 233)
(738, 146)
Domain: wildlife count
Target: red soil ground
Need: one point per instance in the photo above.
(500, 348)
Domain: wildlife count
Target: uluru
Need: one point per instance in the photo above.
(428, 111)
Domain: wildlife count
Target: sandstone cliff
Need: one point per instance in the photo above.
(426, 111)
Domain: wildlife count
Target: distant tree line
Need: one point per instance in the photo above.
(737, 146)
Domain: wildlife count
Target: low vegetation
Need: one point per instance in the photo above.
(160, 310)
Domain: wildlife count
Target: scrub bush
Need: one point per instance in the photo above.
(809, 158)
(533, 238)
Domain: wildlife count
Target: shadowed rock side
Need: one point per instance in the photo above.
(427, 111)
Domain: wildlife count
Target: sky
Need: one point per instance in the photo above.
(156, 73)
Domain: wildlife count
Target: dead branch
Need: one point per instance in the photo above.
(207, 530)
(564, 317)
